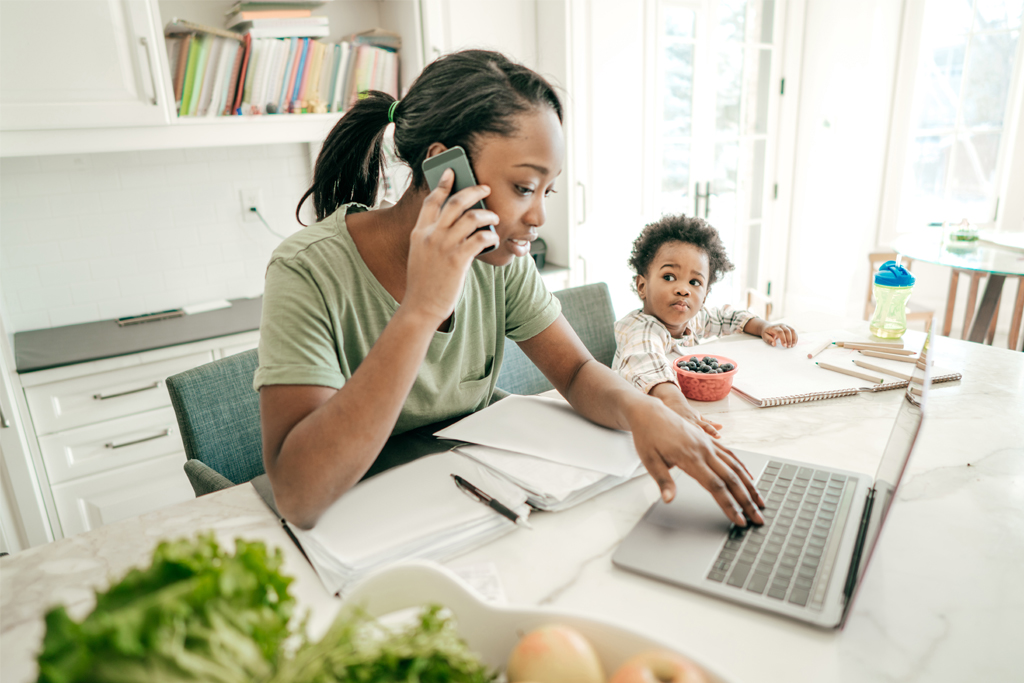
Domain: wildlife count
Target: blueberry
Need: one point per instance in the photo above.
(728, 366)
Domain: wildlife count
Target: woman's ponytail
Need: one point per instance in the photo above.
(350, 164)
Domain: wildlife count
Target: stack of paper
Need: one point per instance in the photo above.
(543, 446)
(414, 511)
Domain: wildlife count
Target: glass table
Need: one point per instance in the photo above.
(996, 254)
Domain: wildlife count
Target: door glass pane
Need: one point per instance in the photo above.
(759, 70)
(973, 169)
(964, 76)
(675, 180)
(756, 159)
(678, 90)
(679, 22)
(732, 20)
(941, 69)
(753, 251)
(767, 18)
(991, 15)
(989, 68)
(729, 57)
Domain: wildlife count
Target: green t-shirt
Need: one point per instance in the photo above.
(323, 310)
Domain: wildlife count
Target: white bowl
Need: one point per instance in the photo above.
(491, 631)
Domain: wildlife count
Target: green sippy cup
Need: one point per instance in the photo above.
(893, 284)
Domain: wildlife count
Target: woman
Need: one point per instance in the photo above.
(379, 321)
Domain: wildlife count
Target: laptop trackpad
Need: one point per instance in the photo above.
(680, 540)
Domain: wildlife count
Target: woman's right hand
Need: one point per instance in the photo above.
(443, 244)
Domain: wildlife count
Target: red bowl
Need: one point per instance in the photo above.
(699, 386)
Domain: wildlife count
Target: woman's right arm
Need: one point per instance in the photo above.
(318, 441)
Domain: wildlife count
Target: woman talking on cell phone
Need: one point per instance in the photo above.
(378, 321)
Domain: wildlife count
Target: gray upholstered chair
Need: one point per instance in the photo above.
(588, 309)
(219, 414)
(219, 418)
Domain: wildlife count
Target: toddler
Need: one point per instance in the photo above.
(676, 260)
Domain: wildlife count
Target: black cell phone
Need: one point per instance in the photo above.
(455, 159)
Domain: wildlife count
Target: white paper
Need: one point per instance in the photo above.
(548, 428)
(406, 508)
(766, 372)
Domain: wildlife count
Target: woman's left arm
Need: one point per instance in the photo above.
(663, 439)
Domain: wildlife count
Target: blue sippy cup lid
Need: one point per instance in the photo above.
(891, 275)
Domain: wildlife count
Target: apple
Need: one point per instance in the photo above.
(659, 666)
(554, 653)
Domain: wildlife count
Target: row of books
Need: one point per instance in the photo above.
(224, 74)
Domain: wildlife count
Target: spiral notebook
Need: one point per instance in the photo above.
(774, 376)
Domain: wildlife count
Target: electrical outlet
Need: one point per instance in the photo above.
(251, 198)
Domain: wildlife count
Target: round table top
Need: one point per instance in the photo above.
(983, 255)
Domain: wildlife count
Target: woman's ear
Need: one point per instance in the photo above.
(641, 287)
(435, 149)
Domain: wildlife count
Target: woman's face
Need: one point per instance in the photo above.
(520, 170)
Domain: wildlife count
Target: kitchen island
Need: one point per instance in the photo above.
(941, 600)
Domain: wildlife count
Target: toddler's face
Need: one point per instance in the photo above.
(676, 285)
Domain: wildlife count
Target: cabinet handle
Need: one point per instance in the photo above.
(149, 61)
(161, 435)
(101, 397)
(4, 422)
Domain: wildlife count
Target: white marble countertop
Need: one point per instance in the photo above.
(941, 601)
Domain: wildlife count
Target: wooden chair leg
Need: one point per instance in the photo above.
(947, 320)
(1018, 313)
(972, 300)
(991, 334)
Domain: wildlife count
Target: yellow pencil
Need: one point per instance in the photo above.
(852, 373)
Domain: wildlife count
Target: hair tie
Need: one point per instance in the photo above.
(391, 111)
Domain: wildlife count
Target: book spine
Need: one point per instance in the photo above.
(232, 84)
(294, 55)
(306, 68)
(230, 71)
(210, 76)
(246, 56)
(333, 87)
(303, 60)
(190, 76)
(202, 63)
(185, 43)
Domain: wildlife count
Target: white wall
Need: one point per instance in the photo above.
(99, 236)
(849, 65)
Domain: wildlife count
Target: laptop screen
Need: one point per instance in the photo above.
(897, 452)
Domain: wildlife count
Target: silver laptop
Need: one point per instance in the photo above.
(821, 525)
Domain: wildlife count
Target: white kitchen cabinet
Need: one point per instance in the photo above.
(105, 439)
(88, 503)
(80, 64)
(104, 83)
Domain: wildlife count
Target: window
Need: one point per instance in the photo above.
(955, 146)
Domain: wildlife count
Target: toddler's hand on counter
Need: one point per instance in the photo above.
(779, 334)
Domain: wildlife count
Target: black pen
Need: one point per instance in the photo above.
(489, 501)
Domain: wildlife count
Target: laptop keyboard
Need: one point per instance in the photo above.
(784, 558)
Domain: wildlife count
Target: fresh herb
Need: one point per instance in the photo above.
(358, 649)
(196, 613)
(200, 614)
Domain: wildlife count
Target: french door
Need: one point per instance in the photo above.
(711, 112)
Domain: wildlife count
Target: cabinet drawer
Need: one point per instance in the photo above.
(87, 503)
(100, 447)
(105, 396)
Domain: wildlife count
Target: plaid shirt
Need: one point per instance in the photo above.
(645, 349)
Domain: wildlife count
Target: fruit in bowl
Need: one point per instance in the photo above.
(705, 377)
(554, 653)
(659, 666)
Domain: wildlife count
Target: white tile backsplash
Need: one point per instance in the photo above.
(86, 237)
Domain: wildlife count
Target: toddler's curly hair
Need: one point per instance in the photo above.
(680, 228)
